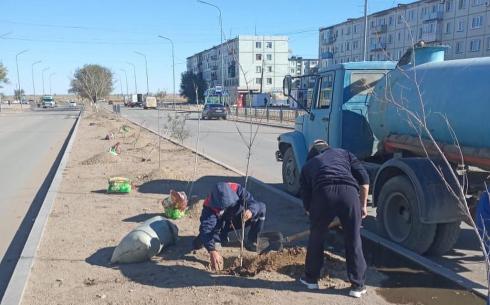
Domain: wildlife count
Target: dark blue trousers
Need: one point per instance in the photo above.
(328, 202)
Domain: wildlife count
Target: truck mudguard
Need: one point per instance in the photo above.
(436, 202)
(296, 140)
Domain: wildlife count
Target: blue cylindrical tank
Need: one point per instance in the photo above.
(458, 90)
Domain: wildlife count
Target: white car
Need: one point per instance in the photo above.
(72, 104)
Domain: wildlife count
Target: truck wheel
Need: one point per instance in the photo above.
(398, 216)
(290, 173)
(446, 236)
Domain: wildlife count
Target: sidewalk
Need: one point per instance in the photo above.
(72, 263)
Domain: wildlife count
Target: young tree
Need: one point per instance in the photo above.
(187, 86)
(3, 75)
(92, 82)
(18, 94)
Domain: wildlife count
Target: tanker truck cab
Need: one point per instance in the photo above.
(336, 112)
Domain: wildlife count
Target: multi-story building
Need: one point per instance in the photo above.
(302, 66)
(462, 25)
(250, 63)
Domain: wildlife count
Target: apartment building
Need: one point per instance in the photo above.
(249, 63)
(302, 66)
(462, 25)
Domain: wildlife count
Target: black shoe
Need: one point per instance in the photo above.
(225, 242)
(309, 283)
(357, 291)
(197, 243)
(251, 246)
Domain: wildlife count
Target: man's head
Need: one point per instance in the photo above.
(222, 196)
(317, 148)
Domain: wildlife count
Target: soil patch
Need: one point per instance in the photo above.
(101, 158)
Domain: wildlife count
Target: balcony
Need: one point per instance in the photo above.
(433, 16)
(380, 46)
(381, 28)
(435, 36)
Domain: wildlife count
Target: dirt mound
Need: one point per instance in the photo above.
(101, 158)
(290, 262)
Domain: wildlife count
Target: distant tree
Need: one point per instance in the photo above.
(161, 94)
(18, 94)
(188, 84)
(92, 82)
(3, 75)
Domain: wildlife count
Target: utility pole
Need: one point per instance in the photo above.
(221, 46)
(50, 87)
(146, 69)
(18, 75)
(42, 75)
(173, 64)
(33, 82)
(126, 75)
(134, 73)
(365, 29)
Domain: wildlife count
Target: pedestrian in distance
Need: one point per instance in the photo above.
(334, 183)
(223, 211)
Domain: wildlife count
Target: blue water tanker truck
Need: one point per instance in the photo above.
(399, 118)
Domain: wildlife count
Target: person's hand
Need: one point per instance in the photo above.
(247, 215)
(364, 211)
(216, 260)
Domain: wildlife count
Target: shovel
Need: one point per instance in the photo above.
(274, 241)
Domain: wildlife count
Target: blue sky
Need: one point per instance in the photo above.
(67, 34)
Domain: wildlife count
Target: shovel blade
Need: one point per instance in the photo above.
(269, 241)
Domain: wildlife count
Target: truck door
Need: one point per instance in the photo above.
(318, 123)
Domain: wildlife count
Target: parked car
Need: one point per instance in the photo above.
(72, 104)
(214, 111)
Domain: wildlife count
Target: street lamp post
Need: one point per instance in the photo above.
(18, 75)
(173, 65)
(221, 45)
(42, 75)
(146, 70)
(126, 75)
(134, 73)
(50, 87)
(33, 83)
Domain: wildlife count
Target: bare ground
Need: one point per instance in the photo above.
(72, 263)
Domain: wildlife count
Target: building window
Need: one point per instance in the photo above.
(269, 81)
(462, 4)
(354, 28)
(390, 38)
(355, 44)
(459, 47)
(399, 36)
(390, 20)
(268, 45)
(292, 71)
(449, 4)
(258, 69)
(461, 26)
(420, 33)
(373, 23)
(269, 68)
(478, 2)
(488, 43)
(477, 22)
(448, 28)
(258, 56)
(258, 80)
(400, 19)
(269, 56)
(411, 15)
(258, 44)
(348, 30)
(347, 46)
(475, 45)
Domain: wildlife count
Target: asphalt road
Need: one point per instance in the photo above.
(30, 143)
(221, 139)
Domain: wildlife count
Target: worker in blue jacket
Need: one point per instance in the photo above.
(222, 213)
(334, 183)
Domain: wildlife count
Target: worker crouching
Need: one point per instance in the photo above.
(223, 211)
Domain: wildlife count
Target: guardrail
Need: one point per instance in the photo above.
(280, 115)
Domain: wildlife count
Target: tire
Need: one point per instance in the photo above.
(290, 173)
(224, 118)
(447, 235)
(398, 216)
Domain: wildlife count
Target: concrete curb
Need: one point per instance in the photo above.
(420, 260)
(18, 282)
